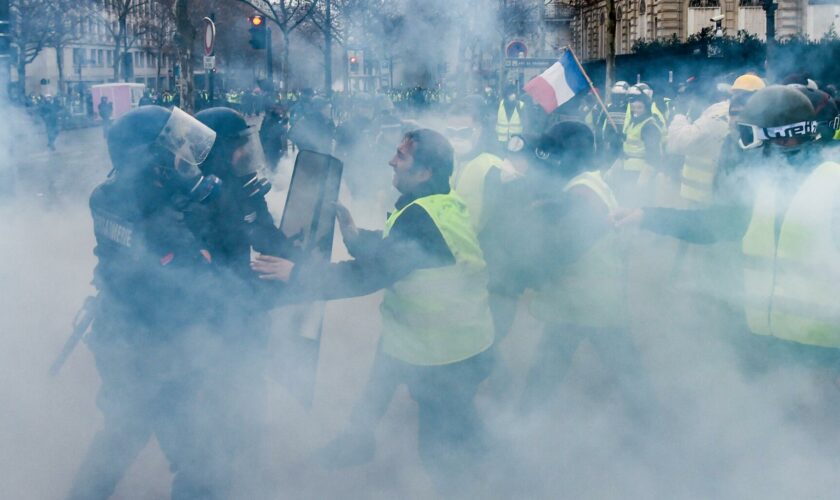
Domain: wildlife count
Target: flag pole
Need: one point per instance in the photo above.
(592, 88)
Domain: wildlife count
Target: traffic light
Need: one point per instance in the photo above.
(257, 31)
(354, 64)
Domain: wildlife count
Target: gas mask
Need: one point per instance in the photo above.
(188, 143)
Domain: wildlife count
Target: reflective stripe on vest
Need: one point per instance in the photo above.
(589, 291)
(469, 184)
(506, 128)
(698, 178)
(437, 316)
(792, 284)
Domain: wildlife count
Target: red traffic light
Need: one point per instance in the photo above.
(353, 59)
(256, 20)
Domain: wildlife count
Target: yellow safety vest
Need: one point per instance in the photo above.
(634, 147)
(469, 184)
(654, 110)
(792, 283)
(440, 315)
(698, 178)
(589, 291)
(506, 128)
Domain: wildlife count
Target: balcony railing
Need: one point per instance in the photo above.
(557, 11)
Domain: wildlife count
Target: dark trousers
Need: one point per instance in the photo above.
(451, 436)
(614, 347)
(196, 394)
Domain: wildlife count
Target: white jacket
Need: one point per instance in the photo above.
(704, 136)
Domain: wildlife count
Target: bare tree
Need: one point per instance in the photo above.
(161, 31)
(185, 41)
(610, 56)
(126, 25)
(65, 18)
(287, 15)
(30, 30)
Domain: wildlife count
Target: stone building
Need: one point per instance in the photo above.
(89, 59)
(655, 19)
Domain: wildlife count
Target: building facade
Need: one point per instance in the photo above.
(90, 56)
(657, 19)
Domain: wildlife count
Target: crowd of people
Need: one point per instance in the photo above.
(495, 200)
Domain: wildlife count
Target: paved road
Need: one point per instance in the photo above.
(580, 449)
(78, 163)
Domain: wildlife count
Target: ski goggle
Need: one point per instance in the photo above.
(752, 136)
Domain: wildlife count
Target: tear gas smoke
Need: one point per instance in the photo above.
(713, 429)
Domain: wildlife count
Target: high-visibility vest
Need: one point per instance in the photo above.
(469, 184)
(654, 110)
(506, 128)
(698, 178)
(589, 291)
(792, 282)
(634, 146)
(440, 315)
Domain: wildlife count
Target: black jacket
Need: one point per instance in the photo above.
(414, 242)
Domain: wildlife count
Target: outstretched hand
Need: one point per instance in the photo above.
(270, 267)
(349, 231)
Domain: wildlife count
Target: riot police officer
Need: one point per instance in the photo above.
(238, 221)
(147, 334)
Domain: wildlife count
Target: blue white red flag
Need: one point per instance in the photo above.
(558, 84)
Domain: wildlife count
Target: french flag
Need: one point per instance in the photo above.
(559, 83)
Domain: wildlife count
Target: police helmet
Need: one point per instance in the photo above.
(170, 142)
(233, 133)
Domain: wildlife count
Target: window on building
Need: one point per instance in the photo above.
(110, 56)
(750, 3)
(78, 55)
(100, 59)
(704, 3)
(138, 58)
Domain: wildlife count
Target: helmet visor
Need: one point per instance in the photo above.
(249, 158)
(187, 138)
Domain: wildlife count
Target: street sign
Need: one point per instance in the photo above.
(516, 49)
(533, 62)
(209, 62)
(209, 37)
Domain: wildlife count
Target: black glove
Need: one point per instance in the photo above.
(252, 196)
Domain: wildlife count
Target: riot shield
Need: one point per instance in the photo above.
(308, 223)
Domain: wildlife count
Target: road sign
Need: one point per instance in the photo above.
(209, 37)
(533, 62)
(209, 62)
(516, 48)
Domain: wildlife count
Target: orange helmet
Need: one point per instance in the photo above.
(748, 83)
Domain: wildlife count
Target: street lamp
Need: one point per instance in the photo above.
(770, 7)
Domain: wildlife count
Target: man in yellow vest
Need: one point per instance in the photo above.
(477, 172)
(560, 242)
(509, 116)
(642, 154)
(702, 141)
(436, 325)
(788, 231)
